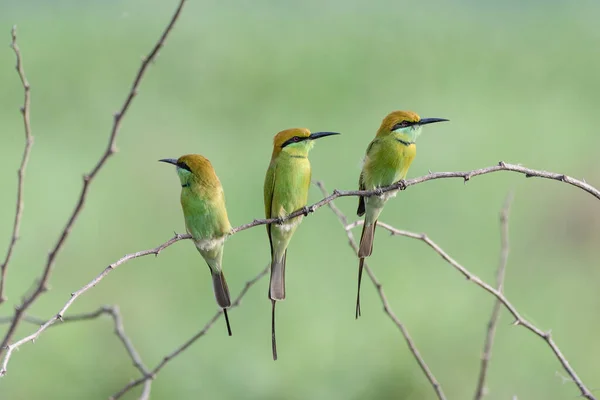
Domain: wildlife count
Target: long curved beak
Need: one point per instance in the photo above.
(317, 135)
(169, 160)
(425, 121)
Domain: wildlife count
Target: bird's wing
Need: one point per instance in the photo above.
(361, 200)
(361, 183)
(269, 189)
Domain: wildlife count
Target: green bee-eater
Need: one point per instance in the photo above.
(203, 204)
(286, 190)
(387, 160)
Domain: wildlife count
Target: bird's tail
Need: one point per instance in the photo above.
(221, 289)
(222, 294)
(366, 240)
(360, 271)
(365, 249)
(277, 283)
(276, 292)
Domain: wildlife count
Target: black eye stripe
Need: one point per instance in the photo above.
(295, 139)
(402, 124)
(183, 165)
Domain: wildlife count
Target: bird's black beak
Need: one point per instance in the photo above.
(317, 135)
(425, 121)
(169, 160)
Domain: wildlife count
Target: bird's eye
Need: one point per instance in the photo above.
(296, 139)
(404, 124)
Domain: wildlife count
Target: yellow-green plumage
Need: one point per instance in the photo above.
(205, 215)
(387, 160)
(285, 191)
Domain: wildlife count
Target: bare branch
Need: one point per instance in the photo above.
(59, 316)
(480, 390)
(519, 320)
(114, 312)
(87, 179)
(502, 166)
(386, 305)
(21, 172)
(305, 211)
(133, 354)
(308, 210)
(403, 184)
(148, 377)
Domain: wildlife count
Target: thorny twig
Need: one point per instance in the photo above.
(403, 184)
(115, 314)
(519, 320)
(76, 294)
(149, 377)
(41, 287)
(386, 305)
(480, 390)
(21, 172)
(327, 200)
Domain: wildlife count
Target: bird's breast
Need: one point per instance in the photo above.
(205, 219)
(387, 163)
(292, 181)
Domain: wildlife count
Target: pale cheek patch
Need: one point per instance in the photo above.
(183, 175)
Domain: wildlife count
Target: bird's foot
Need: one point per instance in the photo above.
(307, 210)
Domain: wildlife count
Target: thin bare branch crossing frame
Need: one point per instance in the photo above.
(480, 389)
(147, 376)
(404, 184)
(24, 109)
(519, 320)
(115, 314)
(386, 305)
(400, 185)
(42, 285)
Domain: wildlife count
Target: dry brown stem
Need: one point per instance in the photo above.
(24, 160)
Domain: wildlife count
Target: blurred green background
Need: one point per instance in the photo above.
(519, 82)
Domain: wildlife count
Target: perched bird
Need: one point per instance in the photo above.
(203, 204)
(286, 190)
(387, 160)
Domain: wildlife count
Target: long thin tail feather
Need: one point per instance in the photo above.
(277, 282)
(360, 271)
(364, 250)
(227, 321)
(273, 339)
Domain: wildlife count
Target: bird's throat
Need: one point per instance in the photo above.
(408, 136)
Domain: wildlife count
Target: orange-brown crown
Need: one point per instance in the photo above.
(196, 164)
(394, 118)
